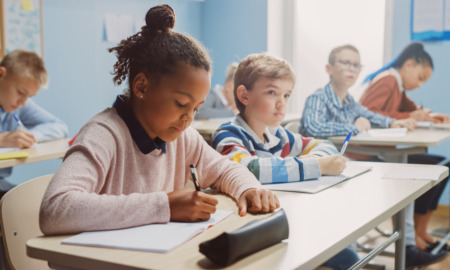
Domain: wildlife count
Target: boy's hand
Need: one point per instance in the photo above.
(409, 123)
(190, 206)
(19, 138)
(363, 124)
(332, 165)
(257, 200)
(421, 115)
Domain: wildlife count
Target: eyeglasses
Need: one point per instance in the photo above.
(347, 64)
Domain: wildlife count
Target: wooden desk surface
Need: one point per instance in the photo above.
(42, 151)
(320, 225)
(417, 138)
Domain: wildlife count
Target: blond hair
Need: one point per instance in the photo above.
(25, 64)
(332, 56)
(260, 65)
(231, 69)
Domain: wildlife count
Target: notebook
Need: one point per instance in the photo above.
(9, 153)
(155, 237)
(324, 182)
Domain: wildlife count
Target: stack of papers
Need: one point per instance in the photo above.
(155, 237)
(324, 182)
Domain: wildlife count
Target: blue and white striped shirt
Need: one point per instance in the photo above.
(325, 115)
(276, 160)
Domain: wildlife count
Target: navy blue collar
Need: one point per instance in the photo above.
(140, 137)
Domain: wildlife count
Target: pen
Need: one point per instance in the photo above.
(344, 145)
(21, 126)
(195, 177)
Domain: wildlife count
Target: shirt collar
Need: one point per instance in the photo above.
(269, 133)
(331, 95)
(394, 72)
(140, 137)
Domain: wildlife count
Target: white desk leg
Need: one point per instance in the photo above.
(400, 248)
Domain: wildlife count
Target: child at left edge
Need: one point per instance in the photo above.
(255, 139)
(22, 74)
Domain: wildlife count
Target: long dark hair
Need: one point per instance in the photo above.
(413, 51)
(156, 50)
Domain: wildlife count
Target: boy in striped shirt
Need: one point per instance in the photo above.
(262, 87)
(263, 84)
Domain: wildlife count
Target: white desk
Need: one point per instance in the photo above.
(395, 149)
(320, 225)
(41, 152)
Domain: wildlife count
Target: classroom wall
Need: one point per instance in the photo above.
(231, 30)
(434, 94)
(76, 57)
(75, 52)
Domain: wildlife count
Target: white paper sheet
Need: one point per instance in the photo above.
(324, 182)
(155, 237)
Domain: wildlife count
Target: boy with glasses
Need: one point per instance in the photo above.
(332, 111)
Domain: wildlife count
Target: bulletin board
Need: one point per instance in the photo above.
(21, 26)
(430, 20)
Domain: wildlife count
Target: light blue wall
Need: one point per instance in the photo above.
(79, 65)
(435, 93)
(232, 29)
(76, 57)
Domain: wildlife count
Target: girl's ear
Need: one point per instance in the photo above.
(2, 72)
(409, 63)
(139, 85)
(242, 94)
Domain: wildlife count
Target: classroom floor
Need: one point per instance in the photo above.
(440, 219)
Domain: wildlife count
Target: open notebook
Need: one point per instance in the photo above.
(324, 182)
(155, 237)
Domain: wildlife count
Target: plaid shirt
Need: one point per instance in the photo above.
(325, 115)
(273, 161)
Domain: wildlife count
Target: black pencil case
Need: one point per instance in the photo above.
(230, 247)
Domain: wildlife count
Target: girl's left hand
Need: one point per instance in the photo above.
(440, 118)
(257, 200)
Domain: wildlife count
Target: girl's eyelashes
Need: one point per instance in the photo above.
(180, 105)
(271, 92)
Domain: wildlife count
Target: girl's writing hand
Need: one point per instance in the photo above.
(440, 118)
(332, 165)
(190, 206)
(257, 200)
(421, 115)
(18, 138)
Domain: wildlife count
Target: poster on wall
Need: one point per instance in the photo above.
(21, 26)
(430, 20)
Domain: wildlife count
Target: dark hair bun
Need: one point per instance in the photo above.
(160, 18)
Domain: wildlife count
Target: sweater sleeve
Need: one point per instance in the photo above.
(217, 172)
(41, 123)
(75, 201)
(233, 144)
(381, 92)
